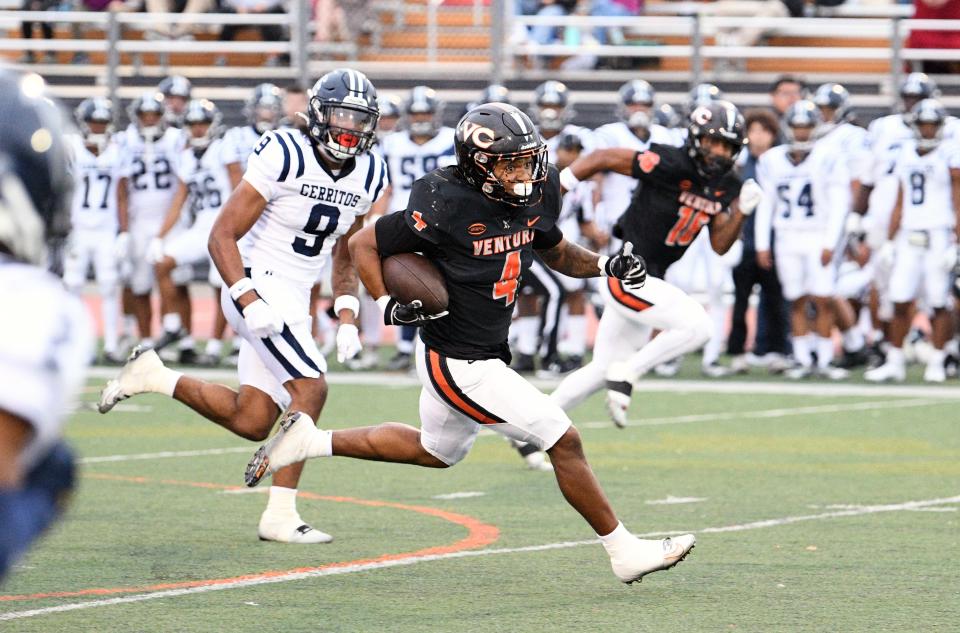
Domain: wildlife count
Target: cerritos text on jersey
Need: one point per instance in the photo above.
(329, 194)
(697, 203)
(503, 243)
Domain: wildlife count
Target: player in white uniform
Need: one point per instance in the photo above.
(203, 185)
(176, 91)
(45, 335)
(421, 145)
(149, 150)
(95, 165)
(262, 112)
(923, 238)
(807, 196)
(302, 196)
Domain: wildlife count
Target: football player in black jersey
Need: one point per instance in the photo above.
(680, 191)
(479, 223)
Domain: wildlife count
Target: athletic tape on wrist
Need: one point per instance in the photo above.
(567, 180)
(240, 288)
(346, 302)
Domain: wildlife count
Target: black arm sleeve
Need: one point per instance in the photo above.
(395, 236)
(545, 240)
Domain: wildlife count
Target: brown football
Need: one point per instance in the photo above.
(409, 276)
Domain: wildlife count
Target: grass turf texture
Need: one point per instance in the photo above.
(890, 571)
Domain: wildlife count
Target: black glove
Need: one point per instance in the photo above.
(627, 267)
(412, 313)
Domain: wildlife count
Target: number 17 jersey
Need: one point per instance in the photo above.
(308, 207)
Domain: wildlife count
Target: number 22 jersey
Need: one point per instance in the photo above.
(308, 207)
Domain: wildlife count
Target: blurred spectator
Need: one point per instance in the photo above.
(551, 8)
(268, 32)
(168, 30)
(784, 92)
(46, 28)
(763, 127)
(294, 104)
(748, 35)
(936, 10)
(612, 8)
(330, 22)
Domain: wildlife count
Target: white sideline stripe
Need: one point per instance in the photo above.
(654, 384)
(165, 454)
(872, 509)
(769, 413)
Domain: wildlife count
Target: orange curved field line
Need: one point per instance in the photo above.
(479, 535)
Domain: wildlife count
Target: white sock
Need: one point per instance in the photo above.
(171, 322)
(526, 334)
(824, 351)
(165, 381)
(186, 342)
(895, 356)
(321, 444)
(110, 311)
(936, 358)
(853, 339)
(801, 349)
(577, 334)
(619, 536)
(129, 324)
(282, 501)
(214, 346)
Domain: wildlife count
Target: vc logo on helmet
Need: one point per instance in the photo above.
(482, 137)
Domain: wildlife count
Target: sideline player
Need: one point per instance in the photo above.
(502, 183)
(684, 189)
(302, 196)
(45, 340)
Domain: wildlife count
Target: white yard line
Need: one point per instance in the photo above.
(166, 455)
(263, 580)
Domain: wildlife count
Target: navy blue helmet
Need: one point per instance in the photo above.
(927, 111)
(719, 120)
(175, 86)
(805, 114)
(203, 111)
(151, 102)
(633, 93)
(264, 109)
(666, 115)
(422, 100)
(836, 97)
(35, 188)
(551, 106)
(700, 95)
(495, 132)
(390, 106)
(918, 86)
(342, 114)
(95, 110)
(494, 93)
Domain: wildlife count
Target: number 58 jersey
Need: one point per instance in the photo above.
(308, 206)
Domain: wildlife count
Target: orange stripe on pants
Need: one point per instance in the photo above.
(625, 298)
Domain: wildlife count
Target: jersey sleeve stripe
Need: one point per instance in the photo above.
(369, 181)
(443, 383)
(286, 158)
(376, 193)
(301, 165)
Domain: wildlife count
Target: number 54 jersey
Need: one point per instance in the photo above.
(308, 207)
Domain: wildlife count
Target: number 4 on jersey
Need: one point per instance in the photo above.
(506, 288)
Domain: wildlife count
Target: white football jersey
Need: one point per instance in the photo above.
(206, 178)
(308, 206)
(238, 144)
(882, 134)
(851, 141)
(617, 189)
(586, 139)
(46, 342)
(149, 169)
(95, 180)
(926, 186)
(408, 161)
(809, 200)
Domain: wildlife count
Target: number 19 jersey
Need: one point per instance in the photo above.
(308, 206)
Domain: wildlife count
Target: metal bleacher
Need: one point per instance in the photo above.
(458, 46)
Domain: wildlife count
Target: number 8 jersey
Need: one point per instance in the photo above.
(308, 206)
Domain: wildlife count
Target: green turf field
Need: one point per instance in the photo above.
(814, 512)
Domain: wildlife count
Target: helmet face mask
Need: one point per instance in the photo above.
(723, 125)
(915, 88)
(500, 153)
(95, 120)
(833, 100)
(927, 119)
(204, 122)
(802, 115)
(264, 109)
(147, 114)
(342, 114)
(422, 113)
(551, 106)
(636, 104)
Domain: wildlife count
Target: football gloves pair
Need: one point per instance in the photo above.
(627, 267)
(396, 313)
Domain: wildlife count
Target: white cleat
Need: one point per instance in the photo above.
(619, 392)
(833, 373)
(646, 556)
(935, 372)
(887, 372)
(287, 446)
(538, 461)
(135, 377)
(799, 372)
(290, 530)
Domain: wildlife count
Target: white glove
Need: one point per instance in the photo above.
(261, 319)
(950, 258)
(155, 250)
(121, 246)
(348, 342)
(750, 196)
(885, 255)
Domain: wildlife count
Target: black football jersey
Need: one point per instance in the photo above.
(671, 204)
(482, 248)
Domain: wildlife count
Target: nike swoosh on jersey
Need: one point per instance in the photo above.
(532, 221)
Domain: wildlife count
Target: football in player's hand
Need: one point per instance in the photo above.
(409, 276)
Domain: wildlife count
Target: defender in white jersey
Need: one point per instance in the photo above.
(301, 197)
(45, 335)
(262, 112)
(95, 165)
(203, 186)
(807, 195)
(149, 151)
(923, 238)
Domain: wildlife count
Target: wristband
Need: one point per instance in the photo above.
(383, 302)
(241, 288)
(346, 302)
(567, 180)
(602, 264)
